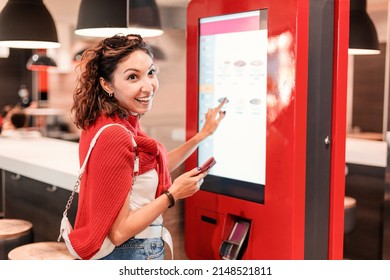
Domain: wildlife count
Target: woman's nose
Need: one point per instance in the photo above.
(147, 86)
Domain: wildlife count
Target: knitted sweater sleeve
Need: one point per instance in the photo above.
(105, 185)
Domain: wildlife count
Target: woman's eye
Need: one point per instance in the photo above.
(132, 77)
(152, 72)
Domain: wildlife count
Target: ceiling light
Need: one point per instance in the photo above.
(40, 62)
(105, 18)
(363, 38)
(27, 24)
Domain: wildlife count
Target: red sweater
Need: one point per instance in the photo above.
(107, 179)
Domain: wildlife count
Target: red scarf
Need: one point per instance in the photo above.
(107, 179)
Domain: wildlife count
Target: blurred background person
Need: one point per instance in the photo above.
(15, 124)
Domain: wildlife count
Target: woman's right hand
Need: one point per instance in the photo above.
(187, 184)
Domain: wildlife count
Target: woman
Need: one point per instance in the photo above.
(117, 85)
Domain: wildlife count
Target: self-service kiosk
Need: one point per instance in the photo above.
(256, 201)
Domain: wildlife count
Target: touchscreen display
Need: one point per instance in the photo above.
(233, 64)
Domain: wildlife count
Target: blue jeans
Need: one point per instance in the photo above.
(138, 249)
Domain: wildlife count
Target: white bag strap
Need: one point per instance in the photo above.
(93, 142)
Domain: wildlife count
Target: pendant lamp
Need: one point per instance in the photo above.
(363, 38)
(105, 18)
(27, 24)
(40, 62)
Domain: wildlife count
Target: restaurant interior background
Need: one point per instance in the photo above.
(367, 112)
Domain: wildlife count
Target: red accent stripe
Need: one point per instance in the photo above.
(230, 25)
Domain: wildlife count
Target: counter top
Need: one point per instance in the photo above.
(366, 152)
(44, 112)
(48, 160)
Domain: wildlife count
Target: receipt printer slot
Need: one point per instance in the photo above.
(230, 249)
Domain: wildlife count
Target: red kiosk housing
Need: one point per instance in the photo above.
(279, 214)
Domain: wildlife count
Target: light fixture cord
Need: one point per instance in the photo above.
(127, 14)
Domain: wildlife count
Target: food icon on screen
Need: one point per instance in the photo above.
(256, 104)
(257, 66)
(256, 63)
(239, 63)
(255, 101)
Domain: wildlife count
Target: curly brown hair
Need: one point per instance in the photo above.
(89, 99)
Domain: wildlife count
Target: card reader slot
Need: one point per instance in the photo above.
(208, 220)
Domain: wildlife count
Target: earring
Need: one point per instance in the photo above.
(111, 94)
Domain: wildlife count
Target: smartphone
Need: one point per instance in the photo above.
(208, 164)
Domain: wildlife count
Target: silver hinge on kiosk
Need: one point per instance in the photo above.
(230, 248)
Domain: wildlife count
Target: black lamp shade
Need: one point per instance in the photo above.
(27, 24)
(39, 62)
(101, 14)
(363, 38)
(104, 18)
(144, 14)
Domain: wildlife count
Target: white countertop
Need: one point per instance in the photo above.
(44, 111)
(366, 152)
(44, 159)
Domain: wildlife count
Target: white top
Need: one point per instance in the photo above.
(143, 192)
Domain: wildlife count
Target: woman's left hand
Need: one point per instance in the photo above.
(212, 119)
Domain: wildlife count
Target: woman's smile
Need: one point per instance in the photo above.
(145, 99)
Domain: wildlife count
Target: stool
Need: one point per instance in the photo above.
(349, 214)
(41, 251)
(14, 233)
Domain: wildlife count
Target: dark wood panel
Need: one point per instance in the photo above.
(368, 91)
(38, 203)
(13, 73)
(365, 184)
